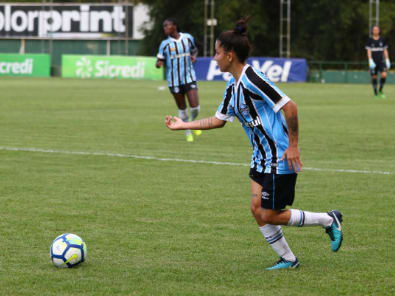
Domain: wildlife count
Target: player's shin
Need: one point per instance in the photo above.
(382, 82)
(301, 218)
(194, 112)
(183, 115)
(274, 236)
(374, 83)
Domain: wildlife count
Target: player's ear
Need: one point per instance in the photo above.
(229, 56)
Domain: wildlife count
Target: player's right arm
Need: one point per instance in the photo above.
(372, 64)
(161, 55)
(369, 51)
(175, 123)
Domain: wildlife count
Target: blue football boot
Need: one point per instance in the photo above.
(284, 264)
(335, 230)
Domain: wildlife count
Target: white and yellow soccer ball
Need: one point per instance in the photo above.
(68, 250)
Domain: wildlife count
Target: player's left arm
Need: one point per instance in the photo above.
(194, 55)
(175, 123)
(387, 58)
(193, 48)
(292, 153)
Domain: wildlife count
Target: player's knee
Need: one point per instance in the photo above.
(255, 209)
(384, 75)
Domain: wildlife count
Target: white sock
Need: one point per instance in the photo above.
(183, 115)
(194, 112)
(302, 218)
(274, 236)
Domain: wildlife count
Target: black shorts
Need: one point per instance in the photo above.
(278, 191)
(183, 88)
(380, 67)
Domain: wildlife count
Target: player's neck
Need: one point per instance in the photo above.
(376, 37)
(237, 70)
(175, 35)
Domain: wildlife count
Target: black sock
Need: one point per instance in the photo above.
(374, 82)
(382, 81)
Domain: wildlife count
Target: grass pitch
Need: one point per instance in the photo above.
(156, 226)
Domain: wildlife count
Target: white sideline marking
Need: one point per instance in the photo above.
(122, 155)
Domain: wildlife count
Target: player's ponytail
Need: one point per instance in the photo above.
(241, 26)
(237, 40)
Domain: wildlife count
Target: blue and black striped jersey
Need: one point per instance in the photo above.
(256, 102)
(177, 53)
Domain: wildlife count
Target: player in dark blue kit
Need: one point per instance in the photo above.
(377, 49)
(257, 103)
(179, 51)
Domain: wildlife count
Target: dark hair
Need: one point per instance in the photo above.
(174, 22)
(237, 40)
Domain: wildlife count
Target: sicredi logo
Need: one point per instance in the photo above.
(25, 67)
(83, 68)
(275, 73)
(86, 68)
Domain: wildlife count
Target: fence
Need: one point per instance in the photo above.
(342, 72)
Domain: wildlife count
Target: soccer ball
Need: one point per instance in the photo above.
(68, 250)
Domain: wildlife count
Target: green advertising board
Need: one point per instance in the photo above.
(126, 67)
(35, 65)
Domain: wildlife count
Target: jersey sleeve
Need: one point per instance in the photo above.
(161, 52)
(225, 110)
(367, 44)
(266, 90)
(385, 44)
(192, 44)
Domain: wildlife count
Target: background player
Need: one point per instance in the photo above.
(376, 47)
(179, 51)
(257, 102)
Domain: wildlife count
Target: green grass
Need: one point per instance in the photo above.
(174, 228)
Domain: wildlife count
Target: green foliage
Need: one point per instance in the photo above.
(320, 29)
(175, 228)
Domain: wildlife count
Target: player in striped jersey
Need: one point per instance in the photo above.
(256, 102)
(179, 51)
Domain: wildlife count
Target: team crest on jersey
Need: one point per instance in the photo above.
(172, 49)
(244, 109)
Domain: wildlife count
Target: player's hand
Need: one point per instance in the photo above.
(388, 63)
(193, 58)
(174, 123)
(292, 154)
(372, 64)
(159, 63)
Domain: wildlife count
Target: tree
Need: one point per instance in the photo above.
(320, 30)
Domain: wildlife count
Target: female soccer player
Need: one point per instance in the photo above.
(256, 102)
(379, 61)
(179, 51)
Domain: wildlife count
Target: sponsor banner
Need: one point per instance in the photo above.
(126, 67)
(66, 20)
(276, 69)
(35, 65)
